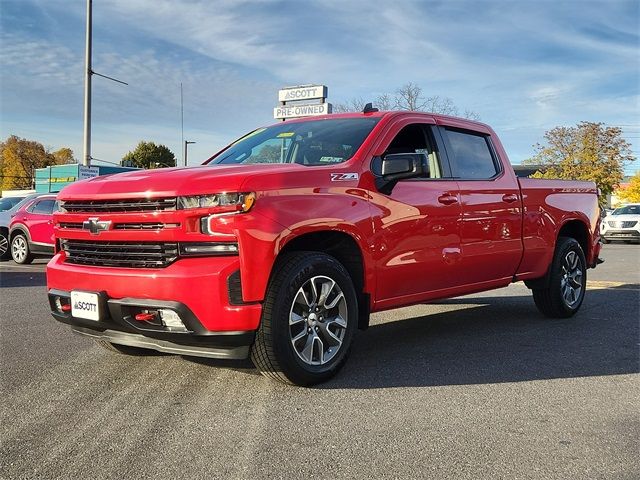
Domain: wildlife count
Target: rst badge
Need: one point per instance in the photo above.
(344, 177)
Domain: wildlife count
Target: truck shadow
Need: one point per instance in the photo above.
(498, 339)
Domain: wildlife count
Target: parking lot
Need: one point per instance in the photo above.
(474, 387)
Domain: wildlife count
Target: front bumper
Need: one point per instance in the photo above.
(621, 234)
(202, 285)
(117, 324)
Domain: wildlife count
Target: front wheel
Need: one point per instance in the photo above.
(308, 320)
(567, 281)
(20, 251)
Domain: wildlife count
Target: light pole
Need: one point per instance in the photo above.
(186, 144)
(86, 147)
(86, 154)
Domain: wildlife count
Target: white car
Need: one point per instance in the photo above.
(622, 224)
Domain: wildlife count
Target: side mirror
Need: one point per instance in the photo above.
(399, 166)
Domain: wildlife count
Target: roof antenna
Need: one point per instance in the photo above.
(368, 108)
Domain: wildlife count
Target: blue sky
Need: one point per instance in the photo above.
(523, 66)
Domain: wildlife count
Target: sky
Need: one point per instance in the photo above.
(523, 66)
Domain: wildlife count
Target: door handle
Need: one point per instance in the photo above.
(510, 198)
(447, 199)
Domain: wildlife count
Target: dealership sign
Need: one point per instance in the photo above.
(302, 101)
(87, 172)
(294, 111)
(305, 92)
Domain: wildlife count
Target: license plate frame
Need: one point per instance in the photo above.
(86, 305)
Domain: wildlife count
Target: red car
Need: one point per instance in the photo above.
(31, 229)
(283, 244)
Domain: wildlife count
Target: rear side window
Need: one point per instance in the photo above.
(472, 155)
(43, 207)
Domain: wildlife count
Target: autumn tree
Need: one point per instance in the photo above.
(588, 151)
(408, 97)
(149, 155)
(631, 193)
(20, 157)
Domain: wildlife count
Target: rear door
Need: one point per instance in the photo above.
(491, 226)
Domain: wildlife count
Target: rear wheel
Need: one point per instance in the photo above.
(308, 321)
(567, 281)
(125, 349)
(20, 251)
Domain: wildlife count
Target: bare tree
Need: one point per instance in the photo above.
(384, 102)
(408, 97)
(353, 105)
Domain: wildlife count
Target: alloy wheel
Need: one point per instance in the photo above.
(318, 320)
(19, 248)
(571, 281)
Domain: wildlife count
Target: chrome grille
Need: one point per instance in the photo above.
(627, 224)
(120, 254)
(139, 226)
(128, 205)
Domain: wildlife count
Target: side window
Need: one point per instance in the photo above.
(43, 207)
(415, 138)
(471, 155)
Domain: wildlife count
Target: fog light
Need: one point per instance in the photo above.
(171, 320)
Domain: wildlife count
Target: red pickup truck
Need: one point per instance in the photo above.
(281, 245)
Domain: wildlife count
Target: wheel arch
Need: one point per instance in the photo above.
(577, 230)
(573, 228)
(345, 248)
(19, 228)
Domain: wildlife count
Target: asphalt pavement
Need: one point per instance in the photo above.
(469, 388)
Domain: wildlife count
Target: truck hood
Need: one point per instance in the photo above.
(171, 182)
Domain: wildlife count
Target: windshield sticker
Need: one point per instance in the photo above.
(343, 177)
(285, 134)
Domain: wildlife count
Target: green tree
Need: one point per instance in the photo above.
(588, 151)
(149, 155)
(20, 157)
(631, 193)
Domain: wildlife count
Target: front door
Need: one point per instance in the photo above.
(417, 224)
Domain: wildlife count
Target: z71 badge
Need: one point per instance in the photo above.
(343, 177)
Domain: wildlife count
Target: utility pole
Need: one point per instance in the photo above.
(186, 144)
(86, 153)
(184, 159)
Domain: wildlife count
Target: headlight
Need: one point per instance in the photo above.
(229, 202)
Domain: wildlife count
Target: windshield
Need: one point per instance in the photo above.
(627, 210)
(8, 202)
(319, 142)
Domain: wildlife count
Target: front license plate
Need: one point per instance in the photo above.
(85, 305)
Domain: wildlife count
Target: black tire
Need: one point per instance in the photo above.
(604, 240)
(274, 352)
(5, 251)
(126, 349)
(20, 251)
(552, 301)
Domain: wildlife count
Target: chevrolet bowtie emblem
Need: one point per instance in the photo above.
(95, 226)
